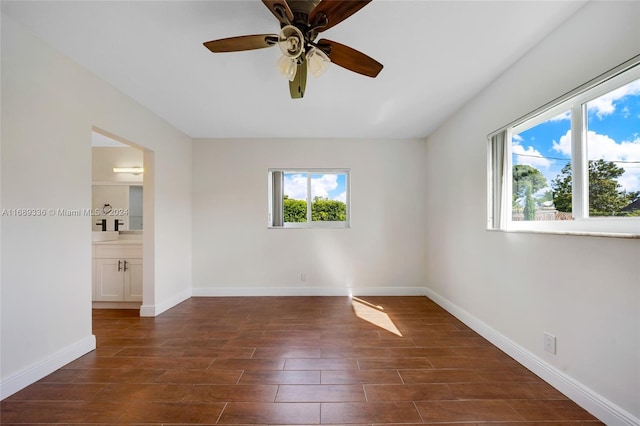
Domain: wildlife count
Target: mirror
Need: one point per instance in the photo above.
(115, 196)
(135, 207)
(117, 202)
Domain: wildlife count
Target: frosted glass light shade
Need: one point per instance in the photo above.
(317, 61)
(287, 67)
(291, 41)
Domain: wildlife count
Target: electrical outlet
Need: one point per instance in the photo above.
(303, 277)
(549, 343)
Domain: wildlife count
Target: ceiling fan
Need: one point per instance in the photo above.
(300, 22)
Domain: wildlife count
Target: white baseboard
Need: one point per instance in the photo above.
(148, 310)
(305, 291)
(155, 310)
(597, 405)
(32, 374)
(115, 305)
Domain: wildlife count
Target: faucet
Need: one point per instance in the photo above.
(116, 224)
(103, 224)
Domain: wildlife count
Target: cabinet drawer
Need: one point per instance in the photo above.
(118, 251)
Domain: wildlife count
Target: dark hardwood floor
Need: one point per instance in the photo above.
(291, 360)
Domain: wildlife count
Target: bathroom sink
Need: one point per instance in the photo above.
(105, 236)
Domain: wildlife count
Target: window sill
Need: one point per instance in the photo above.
(320, 225)
(572, 233)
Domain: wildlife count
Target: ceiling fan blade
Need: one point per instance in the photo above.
(280, 10)
(335, 11)
(350, 58)
(235, 44)
(299, 83)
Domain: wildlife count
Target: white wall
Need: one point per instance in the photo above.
(584, 290)
(235, 253)
(49, 105)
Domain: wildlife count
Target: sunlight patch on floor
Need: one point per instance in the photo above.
(373, 314)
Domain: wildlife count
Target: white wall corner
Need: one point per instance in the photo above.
(155, 310)
(32, 374)
(597, 405)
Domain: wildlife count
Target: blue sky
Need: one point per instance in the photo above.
(613, 134)
(325, 185)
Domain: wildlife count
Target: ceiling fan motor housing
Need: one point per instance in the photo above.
(302, 7)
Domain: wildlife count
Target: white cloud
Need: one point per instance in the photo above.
(605, 104)
(563, 146)
(295, 186)
(529, 156)
(321, 186)
(630, 181)
(603, 147)
(625, 112)
(342, 197)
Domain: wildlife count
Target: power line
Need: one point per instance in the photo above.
(541, 156)
(569, 159)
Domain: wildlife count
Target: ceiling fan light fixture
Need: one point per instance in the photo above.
(318, 61)
(300, 23)
(291, 41)
(287, 66)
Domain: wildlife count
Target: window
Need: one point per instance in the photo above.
(307, 198)
(573, 165)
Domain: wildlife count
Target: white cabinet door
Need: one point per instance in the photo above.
(133, 281)
(117, 273)
(109, 280)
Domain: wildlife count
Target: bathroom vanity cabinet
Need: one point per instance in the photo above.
(117, 271)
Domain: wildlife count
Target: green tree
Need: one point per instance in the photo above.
(323, 209)
(529, 205)
(527, 180)
(561, 187)
(525, 176)
(547, 196)
(294, 210)
(606, 196)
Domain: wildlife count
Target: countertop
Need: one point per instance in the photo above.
(119, 241)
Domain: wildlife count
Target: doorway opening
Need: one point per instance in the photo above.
(121, 206)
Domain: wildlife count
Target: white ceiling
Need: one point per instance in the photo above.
(436, 56)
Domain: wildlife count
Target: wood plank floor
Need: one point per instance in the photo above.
(291, 360)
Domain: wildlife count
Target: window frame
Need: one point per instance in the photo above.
(310, 224)
(575, 102)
